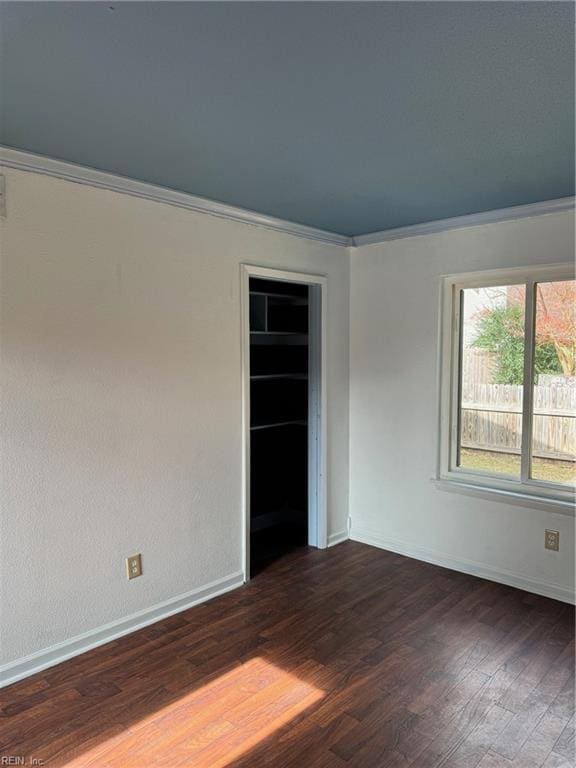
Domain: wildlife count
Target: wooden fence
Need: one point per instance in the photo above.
(479, 365)
(491, 419)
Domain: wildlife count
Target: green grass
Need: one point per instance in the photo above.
(553, 470)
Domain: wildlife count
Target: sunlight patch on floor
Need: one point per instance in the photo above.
(210, 726)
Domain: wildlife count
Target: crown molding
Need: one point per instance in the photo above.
(28, 161)
(470, 220)
(60, 169)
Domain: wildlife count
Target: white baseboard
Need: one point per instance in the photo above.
(55, 654)
(472, 567)
(337, 538)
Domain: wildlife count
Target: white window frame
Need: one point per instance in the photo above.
(559, 497)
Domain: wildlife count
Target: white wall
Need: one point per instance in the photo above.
(121, 401)
(121, 404)
(393, 409)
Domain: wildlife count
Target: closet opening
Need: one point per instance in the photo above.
(283, 394)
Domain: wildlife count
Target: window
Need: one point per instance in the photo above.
(508, 382)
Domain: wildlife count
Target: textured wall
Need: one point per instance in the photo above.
(121, 401)
(393, 409)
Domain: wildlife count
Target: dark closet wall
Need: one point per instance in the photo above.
(279, 418)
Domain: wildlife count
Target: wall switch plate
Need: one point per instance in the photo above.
(552, 540)
(134, 566)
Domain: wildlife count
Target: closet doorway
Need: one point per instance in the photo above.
(284, 396)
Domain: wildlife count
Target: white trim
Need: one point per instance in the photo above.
(245, 376)
(317, 524)
(27, 161)
(322, 431)
(493, 277)
(528, 380)
(470, 220)
(560, 506)
(472, 567)
(79, 174)
(317, 428)
(55, 654)
(558, 495)
(337, 538)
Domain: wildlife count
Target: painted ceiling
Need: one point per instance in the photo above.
(352, 117)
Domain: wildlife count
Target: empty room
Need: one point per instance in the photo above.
(287, 384)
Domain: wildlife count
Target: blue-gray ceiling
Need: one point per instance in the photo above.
(348, 116)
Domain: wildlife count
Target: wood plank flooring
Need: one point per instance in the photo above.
(346, 658)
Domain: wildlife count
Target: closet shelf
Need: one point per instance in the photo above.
(294, 300)
(275, 339)
(297, 422)
(273, 376)
(271, 519)
(279, 326)
(278, 333)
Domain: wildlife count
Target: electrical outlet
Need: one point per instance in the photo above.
(134, 566)
(552, 540)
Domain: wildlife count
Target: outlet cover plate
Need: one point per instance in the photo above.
(134, 566)
(552, 540)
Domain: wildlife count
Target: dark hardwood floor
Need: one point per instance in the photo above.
(346, 658)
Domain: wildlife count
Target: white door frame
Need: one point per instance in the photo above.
(317, 427)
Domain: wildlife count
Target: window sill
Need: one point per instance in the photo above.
(561, 506)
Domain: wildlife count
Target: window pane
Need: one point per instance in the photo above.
(554, 401)
(491, 376)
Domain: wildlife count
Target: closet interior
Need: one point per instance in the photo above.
(279, 366)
